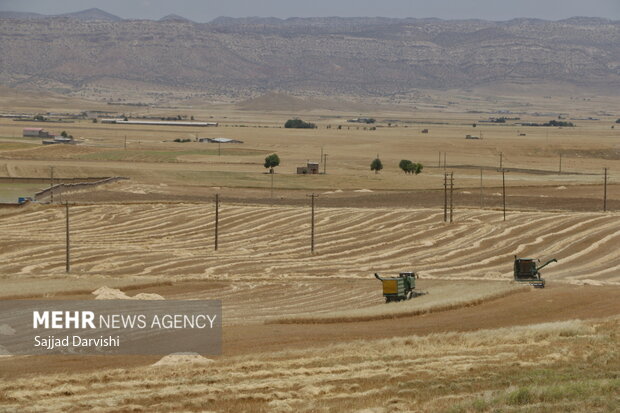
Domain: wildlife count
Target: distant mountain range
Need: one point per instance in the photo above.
(99, 54)
(84, 15)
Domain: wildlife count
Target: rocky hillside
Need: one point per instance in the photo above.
(316, 56)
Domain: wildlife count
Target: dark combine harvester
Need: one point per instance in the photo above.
(526, 271)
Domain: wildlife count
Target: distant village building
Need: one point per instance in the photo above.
(361, 120)
(312, 168)
(471, 137)
(424, 130)
(58, 139)
(36, 133)
(157, 122)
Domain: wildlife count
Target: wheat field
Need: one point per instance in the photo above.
(564, 366)
(175, 242)
(310, 332)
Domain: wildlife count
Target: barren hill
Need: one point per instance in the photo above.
(242, 58)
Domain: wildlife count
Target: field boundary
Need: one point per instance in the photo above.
(32, 180)
(63, 187)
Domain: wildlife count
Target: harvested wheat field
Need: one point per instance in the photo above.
(175, 242)
(309, 331)
(561, 366)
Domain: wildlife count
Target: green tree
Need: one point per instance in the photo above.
(376, 165)
(410, 167)
(63, 134)
(405, 165)
(299, 124)
(271, 161)
(416, 168)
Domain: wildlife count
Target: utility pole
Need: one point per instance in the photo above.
(501, 161)
(605, 192)
(325, 164)
(445, 197)
(504, 192)
(217, 218)
(67, 258)
(444, 161)
(451, 195)
(312, 197)
(481, 196)
(52, 185)
(219, 149)
(125, 142)
(272, 187)
(439, 164)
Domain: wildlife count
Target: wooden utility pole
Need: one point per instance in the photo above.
(125, 142)
(444, 161)
(68, 256)
(605, 192)
(451, 195)
(504, 192)
(312, 197)
(501, 161)
(272, 187)
(439, 164)
(324, 164)
(217, 218)
(481, 195)
(445, 197)
(52, 185)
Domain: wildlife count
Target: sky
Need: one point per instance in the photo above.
(207, 10)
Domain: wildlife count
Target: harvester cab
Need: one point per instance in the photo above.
(398, 288)
(526, 271)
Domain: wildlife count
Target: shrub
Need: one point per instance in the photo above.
(410, 167)
(299, 124)
(376, 165)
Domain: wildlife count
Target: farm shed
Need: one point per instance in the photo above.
(35, 132)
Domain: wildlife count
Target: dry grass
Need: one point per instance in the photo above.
(567, 366)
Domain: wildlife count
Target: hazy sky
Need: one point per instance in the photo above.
(206, 10)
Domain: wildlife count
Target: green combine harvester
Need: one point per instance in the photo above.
(399, 288)
(526, 271)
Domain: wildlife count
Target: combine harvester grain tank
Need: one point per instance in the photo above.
(399, 288)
